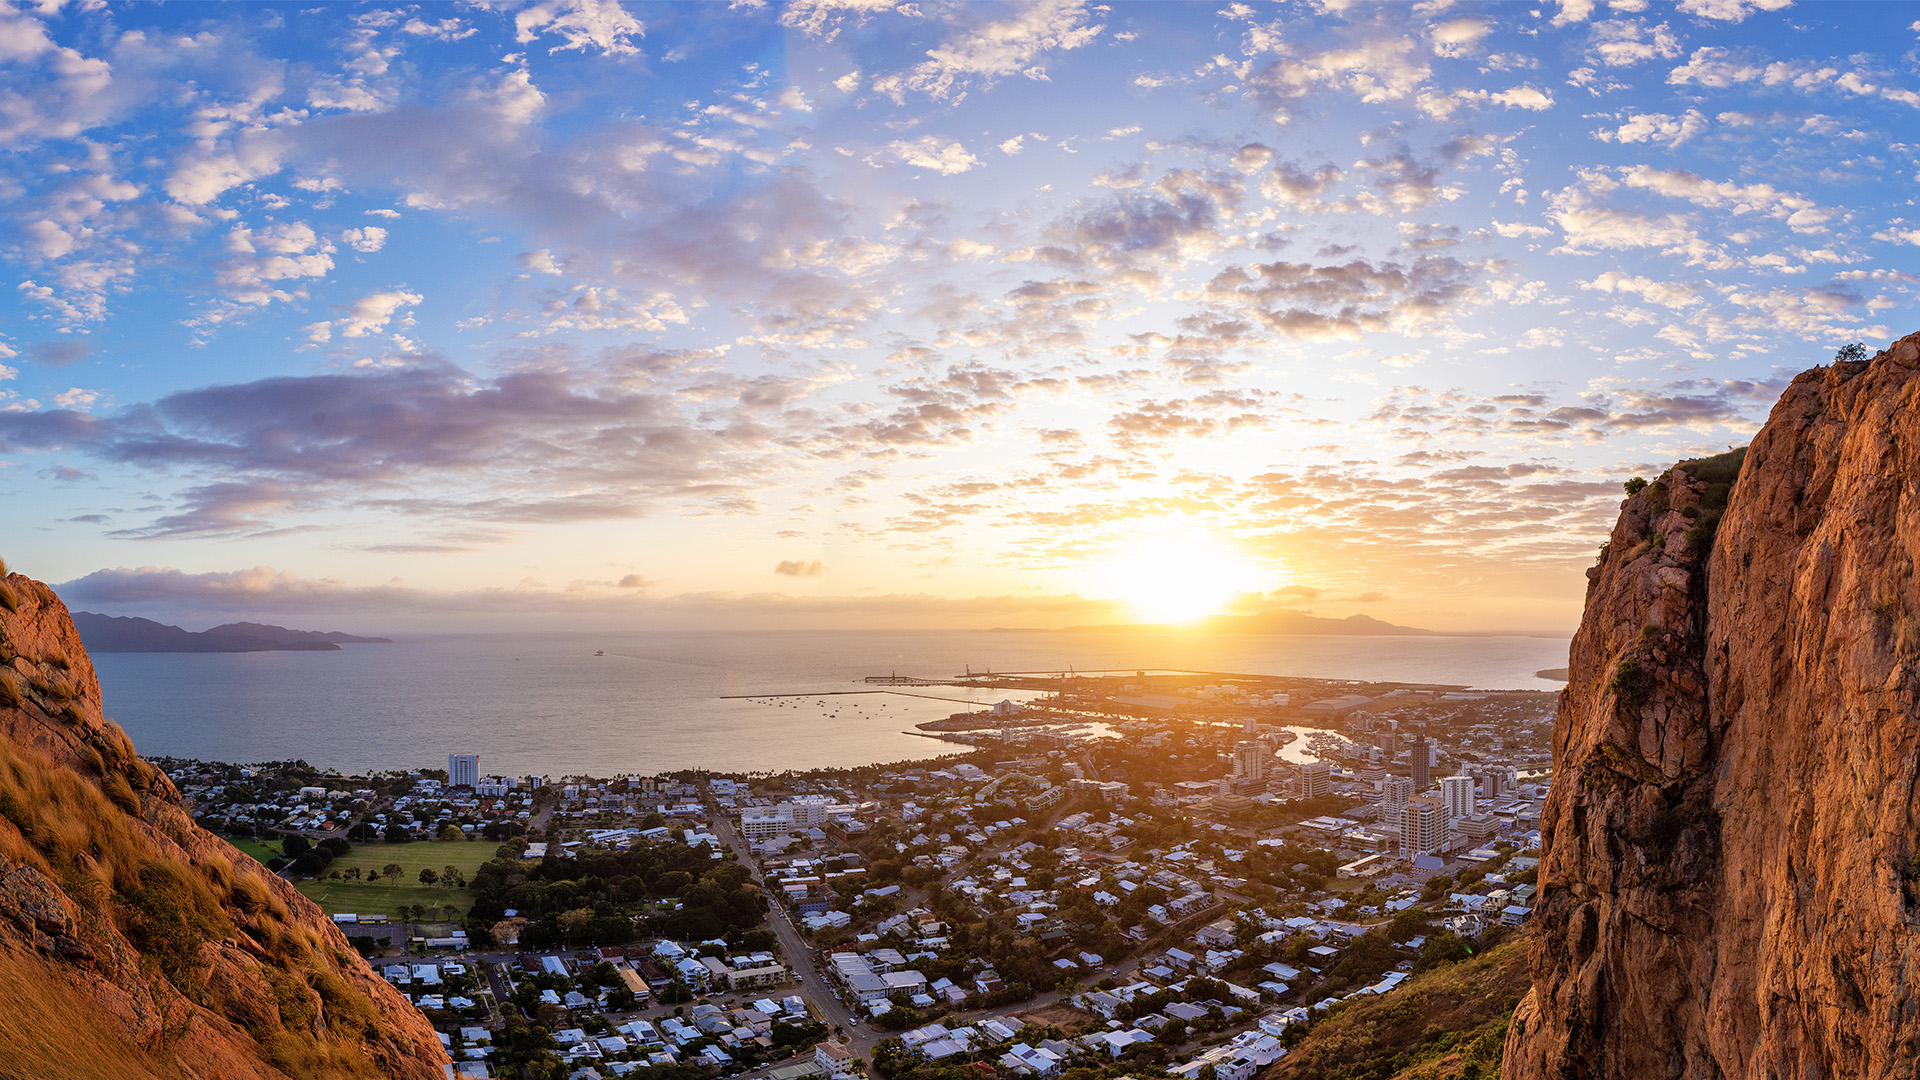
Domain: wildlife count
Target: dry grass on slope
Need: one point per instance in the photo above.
(148, 915)
(49, 1029)
(1446, 1024)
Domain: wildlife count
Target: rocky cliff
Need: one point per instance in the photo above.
(1730, 885)
(134, 944)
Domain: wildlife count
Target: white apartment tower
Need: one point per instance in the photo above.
(463, 770)
(1423, 826)
(1457, 793)
(1316, 779)
(1250, 760)
(1396, 792)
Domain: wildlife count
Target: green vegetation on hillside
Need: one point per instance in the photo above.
(1445, 1024)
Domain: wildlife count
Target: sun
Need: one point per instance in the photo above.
(1177, 573)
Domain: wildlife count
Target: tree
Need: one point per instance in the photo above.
(1849, 353)
(453, 877)
(428, 875)
(295, 845)
(397, 833)
(452, 832)
(392, 870)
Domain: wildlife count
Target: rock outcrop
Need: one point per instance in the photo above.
(133, 943)
(1730, 883)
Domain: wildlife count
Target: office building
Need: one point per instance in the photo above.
(1457, 793)
(1396, 793)
(1422, 764)
(1423, 826)
(1250, 760)
(1494, 780)
(1316, 779)
(463, 770)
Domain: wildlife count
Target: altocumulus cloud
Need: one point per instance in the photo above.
(800, 568)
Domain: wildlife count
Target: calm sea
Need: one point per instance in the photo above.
(655, 701)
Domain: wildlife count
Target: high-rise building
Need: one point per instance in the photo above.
(463, 770)
(1423, 826)
(1495, 780)
(1422, 764)
(1396, 792)
(1316, 779)
(1457, 793)
(1250, 760)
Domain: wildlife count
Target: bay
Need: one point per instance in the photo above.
(657, 701)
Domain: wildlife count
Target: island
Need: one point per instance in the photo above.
(121, 634)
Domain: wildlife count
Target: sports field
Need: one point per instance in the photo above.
(259, 851)
(387, 896)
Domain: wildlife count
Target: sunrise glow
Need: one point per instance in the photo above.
(819, 313)
(1178, 575)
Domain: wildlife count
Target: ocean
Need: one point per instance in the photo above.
(655, 701)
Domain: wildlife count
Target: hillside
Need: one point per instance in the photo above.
(122, 634)
(1730, 876)
(1444, 1024)
(133, 944)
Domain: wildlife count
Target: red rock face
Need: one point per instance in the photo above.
(90, 837)
(1728, 886)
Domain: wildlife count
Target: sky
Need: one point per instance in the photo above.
(855, 313)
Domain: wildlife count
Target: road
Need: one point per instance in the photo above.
(798, 954)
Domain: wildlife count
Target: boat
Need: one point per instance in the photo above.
(599, 652)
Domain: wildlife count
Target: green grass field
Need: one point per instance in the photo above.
(380, 898)
(258, 851)
(384, 897)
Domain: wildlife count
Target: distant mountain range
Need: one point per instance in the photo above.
(120, 634)
(1278, 622)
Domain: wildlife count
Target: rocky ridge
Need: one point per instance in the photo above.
(1730, 884)
(132, 942)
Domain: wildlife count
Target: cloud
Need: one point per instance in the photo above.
(1718, 68)
(1375, 70)
(634, 581)
(800, 568)
(1624, 42)
(62, 353)
(585, 25)
(374, 311)
(1458, 37)
(1730, 10)
(1667, 130)
(259, 261)
(930, 152)
(539, 262)
(1665, 293)
(1573, 11)
(264, 593)
(1344, 301)
(369, 239)
(824, 19)
(423, 442)
(989, 51)
(1524, 97)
